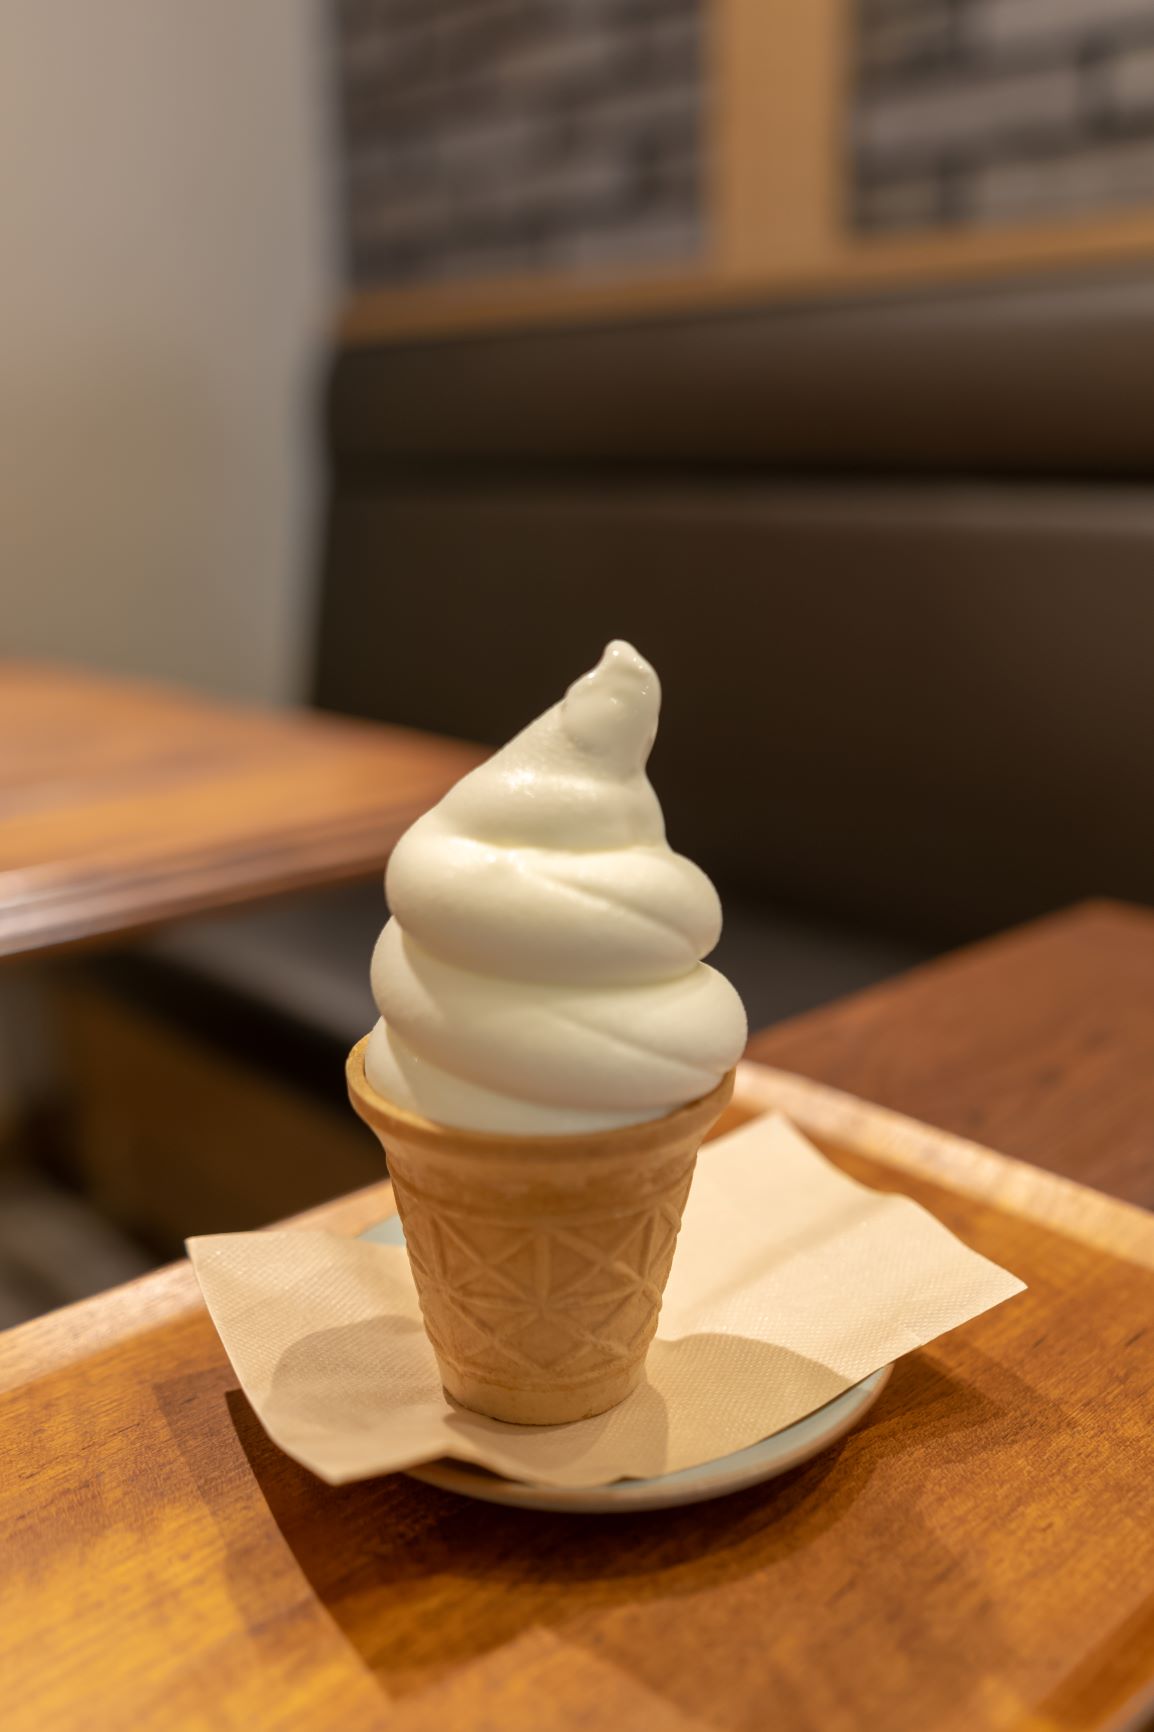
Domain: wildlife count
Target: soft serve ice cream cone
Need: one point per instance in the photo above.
(551, 1052)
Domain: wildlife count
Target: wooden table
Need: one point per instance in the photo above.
(123, 804)
(978, 1554)
(1039, 1043)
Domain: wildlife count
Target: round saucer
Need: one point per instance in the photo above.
(774, 1455)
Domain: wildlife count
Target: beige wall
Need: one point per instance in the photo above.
(166, 277)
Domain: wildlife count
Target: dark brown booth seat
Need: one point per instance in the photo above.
(1047, 376)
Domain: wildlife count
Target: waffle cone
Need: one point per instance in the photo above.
(540, 1262)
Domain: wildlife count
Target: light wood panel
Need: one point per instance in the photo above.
(775, 105)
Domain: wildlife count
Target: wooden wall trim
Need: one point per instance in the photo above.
(860, 267)
(774, 147)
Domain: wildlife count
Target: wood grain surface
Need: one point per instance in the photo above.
(123, 804)
(1039, 1043)
(977, 1554)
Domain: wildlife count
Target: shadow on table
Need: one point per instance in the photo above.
(422, 1583)
(326, 1388)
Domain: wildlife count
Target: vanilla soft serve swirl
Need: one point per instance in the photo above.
(542, 970)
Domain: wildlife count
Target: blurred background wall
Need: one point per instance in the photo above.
(167, 237)
(490, 136)
(988, 111)
(498, 136)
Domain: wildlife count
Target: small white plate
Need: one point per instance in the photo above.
(729, 1473)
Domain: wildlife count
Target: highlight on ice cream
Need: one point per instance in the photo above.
(542, 972)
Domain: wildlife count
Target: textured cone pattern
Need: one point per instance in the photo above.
(549, 1305)
(539, 1262)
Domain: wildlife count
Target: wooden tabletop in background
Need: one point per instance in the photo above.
(1039, 1043)
(976, 1555)
(123, 804)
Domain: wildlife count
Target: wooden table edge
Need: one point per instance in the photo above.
(1033, 1193)
(88, 862)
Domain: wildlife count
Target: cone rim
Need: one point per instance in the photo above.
(694, 1117)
